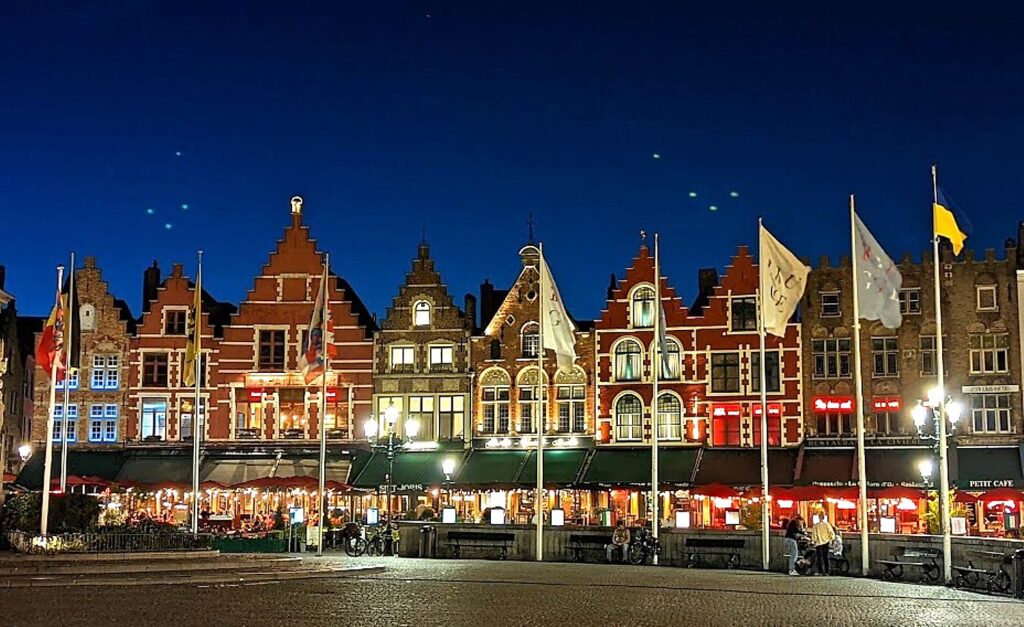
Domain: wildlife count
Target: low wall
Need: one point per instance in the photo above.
(673, 550)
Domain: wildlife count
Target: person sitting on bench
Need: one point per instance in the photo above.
(620, 540)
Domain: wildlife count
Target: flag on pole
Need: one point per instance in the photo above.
(556, 327)
(72, 326)
(879, 280)
(944, 224)
(194, 331)
(51, 343)
(663, 350)
(319, 337)
(782, 281)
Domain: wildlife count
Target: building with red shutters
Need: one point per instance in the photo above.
(709, 390)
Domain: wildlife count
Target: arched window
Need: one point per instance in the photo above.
(670, 418)
(628, 360)
(531, 339)
(494, 401)
(628, 418)
(421, 314)
(671, 359)
(642, 308)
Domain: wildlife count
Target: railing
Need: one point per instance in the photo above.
(108, 542)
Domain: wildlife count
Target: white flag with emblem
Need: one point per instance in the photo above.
(557, 328)
(878, 279)
(782, 281)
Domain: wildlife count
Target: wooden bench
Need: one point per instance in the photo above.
(459, 540)
(730, 548)
(995, 579)
(580, 542)
(906, 557)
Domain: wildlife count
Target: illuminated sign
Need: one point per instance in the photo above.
(774, 410)
(841, 404)
(887, 403)
(730, 410)
(255, 395)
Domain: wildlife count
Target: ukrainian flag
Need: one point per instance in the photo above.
(944, 224)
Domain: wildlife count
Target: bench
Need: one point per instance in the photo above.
(459, 540)
(580, 542)
(995, 579)
(730, 548)
(906, 557)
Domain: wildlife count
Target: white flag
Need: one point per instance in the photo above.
(557, 328)
(666, 363)
(782, 281)
(878, 280)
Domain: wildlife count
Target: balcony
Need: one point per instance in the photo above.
(293, 434)
(402, 368)
(442, 367)
(247, 434)
(337, 434)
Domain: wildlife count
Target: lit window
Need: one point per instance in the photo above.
(403, 358)
(628, 418)
(986, 296)
(105, 373)
(58, 423)
(441, 357)
(154, 419)
(421, 314)
(451, 413)
(531, 339)
(670, 360)
(643, 308)
(571, 409)
(103, 423)
(628, 361)
(495, 400)
(421, 410)
(670, 418)
(830, 305)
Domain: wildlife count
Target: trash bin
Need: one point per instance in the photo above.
(427, 541)
(1018, 573)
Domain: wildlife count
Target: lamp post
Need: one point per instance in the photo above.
(448, 468)
(391, 446)
(936, 404)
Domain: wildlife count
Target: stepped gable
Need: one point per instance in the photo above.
(616, 312)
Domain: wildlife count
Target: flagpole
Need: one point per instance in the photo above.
(656, 368)
(765, 538)
(862, 481)
(539, 404)
(69, 325)
(48, 459)
(198, 419)
(947, 540)
(322, 485)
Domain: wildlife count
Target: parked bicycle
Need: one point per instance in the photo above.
(372, 541)
(644, 547)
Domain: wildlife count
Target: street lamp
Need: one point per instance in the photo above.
(926, 467)
(25, 451)
(391, 446)
(448, 468)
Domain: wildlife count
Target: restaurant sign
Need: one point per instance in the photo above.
(989, 389)
(991, 483)
(731, 410)
(839, 404)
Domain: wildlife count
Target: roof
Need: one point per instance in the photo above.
(125, 313)
(363, 314)
(28, 326)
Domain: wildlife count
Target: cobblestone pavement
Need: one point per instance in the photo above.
(484, 593)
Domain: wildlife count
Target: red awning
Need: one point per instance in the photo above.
(74, 480)
(965, 497)
(716, 490)
(896, 493)
(1001, 494)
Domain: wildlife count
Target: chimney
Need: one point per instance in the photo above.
(150, 284)
(3, 276)
(471, 312)
(612, 284)
(707, 280)
(487, 305)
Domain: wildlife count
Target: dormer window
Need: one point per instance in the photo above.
(421, 314)
(642, 308)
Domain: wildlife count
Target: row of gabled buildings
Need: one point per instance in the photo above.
(468, 375)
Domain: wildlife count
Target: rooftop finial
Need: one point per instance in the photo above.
(296, 205)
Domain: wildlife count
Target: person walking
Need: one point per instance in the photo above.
(822, 535)
(793, 530)
(620, 540)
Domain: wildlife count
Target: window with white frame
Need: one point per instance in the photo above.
(743, 313)
(628, 360)
(725, 372)
(885, 356)
(910, 301)
(527, 404)
(154, 370)
(670, 418)
(929, 366)
(571, 408)
(58, 423)
(153, 422)
(71, 380)
(403, 358)
(990, 413)
(175, 321)
(642, 308)
(421, 314)
(421, 409)
(670, 360)
(105, 373)
(772, 371)
(830, 305)
(628, 418)
(441, 357)
(531, 339)
(986, 298)
(103, 423)
(451, 414)
(185, 417)
(831, 358)
(495, 402)
(990, 353)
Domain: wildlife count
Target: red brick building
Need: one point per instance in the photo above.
(709, 391)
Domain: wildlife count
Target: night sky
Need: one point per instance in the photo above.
(134, 130)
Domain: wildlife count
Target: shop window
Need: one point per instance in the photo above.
(628, 361)
(291, 413)
(990, 413)
(153, 422)
(642, 308)
(670, 418)
(725, 425)
(725, 372)
(990, 353)
(249, 420)
(154, 370)
(772, 372)
(628, 418)
(271, 350)
(743, 312)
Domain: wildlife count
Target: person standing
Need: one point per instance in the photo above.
(822, 535)
(793, 530)
(620, 540)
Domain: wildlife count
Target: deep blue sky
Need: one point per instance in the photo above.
(464, 118)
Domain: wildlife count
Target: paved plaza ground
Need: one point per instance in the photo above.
(484, 593)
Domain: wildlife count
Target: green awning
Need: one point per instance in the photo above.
(561, 467)
(895, 466)
(234, 469)
(984, 468)
(413, 470)
(102, 464)
(632, 467)
(490, 469)
(742, 467)
(157, 469)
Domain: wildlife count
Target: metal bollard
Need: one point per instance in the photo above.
(426, 541)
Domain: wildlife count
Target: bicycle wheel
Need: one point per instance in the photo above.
(355, 547)
(636, 555)
(375, 547)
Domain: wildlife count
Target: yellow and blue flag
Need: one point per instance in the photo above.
(944, 224)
